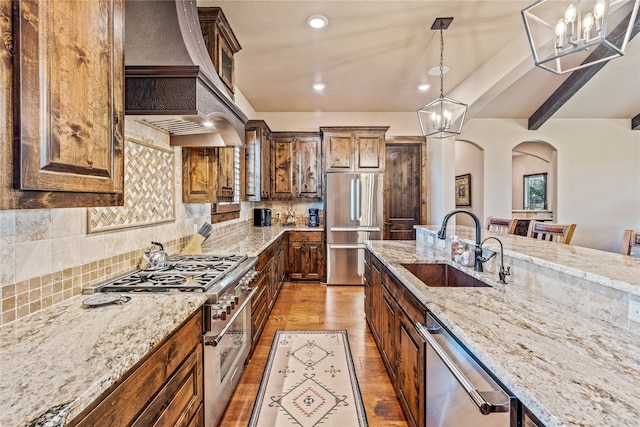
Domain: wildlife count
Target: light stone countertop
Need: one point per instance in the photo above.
(58, 361)
(66, 356)
(253, 240)
(567, 367)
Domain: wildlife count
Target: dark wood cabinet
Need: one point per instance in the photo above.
(305, 258)
(257, 161)
(411, 381)
(271, 267)
(282, 175)
(388, 330)
(166, 389)
(224, 173)
(211, 175)
(68, 105)
(354, 149)
(372, 294)
(197, 181)
(295, 166)
(392, 315)
(221, 43)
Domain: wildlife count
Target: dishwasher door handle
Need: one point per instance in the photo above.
(483, 405)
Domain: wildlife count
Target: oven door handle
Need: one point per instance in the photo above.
(215, 341)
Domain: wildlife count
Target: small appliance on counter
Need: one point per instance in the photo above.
(261, 217)
(314, 218)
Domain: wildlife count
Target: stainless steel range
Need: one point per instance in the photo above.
(227, 281)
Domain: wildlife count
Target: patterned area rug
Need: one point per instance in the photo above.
(309, 381)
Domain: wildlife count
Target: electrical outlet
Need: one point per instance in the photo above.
(634, 311)
(195, 228)
(277, 216)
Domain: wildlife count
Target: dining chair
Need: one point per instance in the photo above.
(501, 225)
(559, 233)
(631, 243)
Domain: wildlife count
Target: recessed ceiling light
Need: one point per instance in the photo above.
(435, 71)
(317, 21)
(207, 124)
(319, 86)
(424, 87)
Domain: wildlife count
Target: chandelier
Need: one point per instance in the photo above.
(564, 34)
(442, 117)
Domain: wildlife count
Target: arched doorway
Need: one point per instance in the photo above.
(534, 181)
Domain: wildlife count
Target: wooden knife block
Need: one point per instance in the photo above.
(194, 246)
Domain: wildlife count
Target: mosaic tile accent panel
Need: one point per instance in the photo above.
(148, 189)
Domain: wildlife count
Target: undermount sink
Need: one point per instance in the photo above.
(443, 275)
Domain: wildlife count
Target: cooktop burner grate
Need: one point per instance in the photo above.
(195, 273)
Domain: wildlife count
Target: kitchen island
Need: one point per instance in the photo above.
(554, 335)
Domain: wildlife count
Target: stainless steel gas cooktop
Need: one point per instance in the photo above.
(183, 273)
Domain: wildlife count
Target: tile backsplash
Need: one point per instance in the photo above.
(47, 255)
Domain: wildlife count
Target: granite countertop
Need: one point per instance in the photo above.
(56, 362)
(253, 240)
(568, 368)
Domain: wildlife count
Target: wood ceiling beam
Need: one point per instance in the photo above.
(578, 78)
(635, 123)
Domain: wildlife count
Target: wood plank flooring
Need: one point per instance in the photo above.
(317, 306)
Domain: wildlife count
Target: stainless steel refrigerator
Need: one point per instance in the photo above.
(354, 214)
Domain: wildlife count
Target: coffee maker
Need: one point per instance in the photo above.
(314, 218)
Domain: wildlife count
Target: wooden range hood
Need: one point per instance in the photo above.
(170, 81)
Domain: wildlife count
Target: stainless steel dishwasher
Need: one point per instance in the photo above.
(459, 391)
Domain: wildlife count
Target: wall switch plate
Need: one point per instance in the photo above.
(634, 310)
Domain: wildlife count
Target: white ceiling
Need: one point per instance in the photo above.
(373, 54)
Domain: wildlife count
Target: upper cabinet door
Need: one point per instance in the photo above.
(370, 152)
(339, 148)
(284, 176)
(69, 97)
(308, 160)
(354, 149)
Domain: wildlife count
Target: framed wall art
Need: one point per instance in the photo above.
(463, 191)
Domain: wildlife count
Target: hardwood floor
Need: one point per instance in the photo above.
(316, 306)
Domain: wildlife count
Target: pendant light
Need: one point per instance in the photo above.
(568, 35)
(442, 117)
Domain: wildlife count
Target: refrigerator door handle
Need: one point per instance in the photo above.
(359, 228)
(357, 199)
(346, 246)
(352, 205)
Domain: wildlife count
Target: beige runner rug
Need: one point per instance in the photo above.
(309, 380)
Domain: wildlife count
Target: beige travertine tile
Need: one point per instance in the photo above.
(8, 304)
(7, 227)
(8, 291)
(7, 264)
(66, 252)
(32, 225)
(67, 222)
(33, 259)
